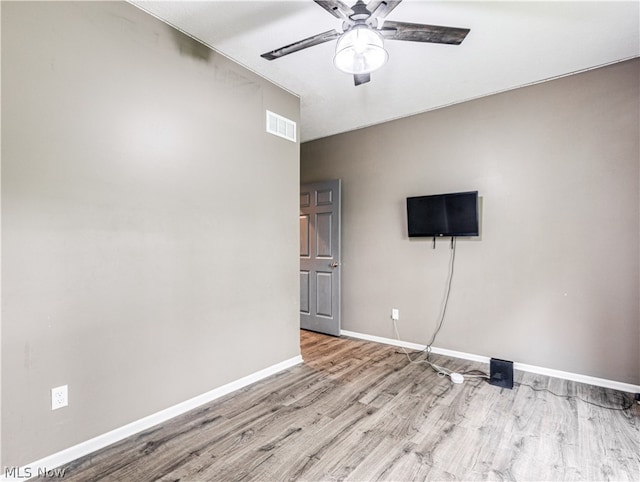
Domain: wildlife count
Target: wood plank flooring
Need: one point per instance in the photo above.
(358, 410)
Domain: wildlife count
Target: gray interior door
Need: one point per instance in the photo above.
(320, 257)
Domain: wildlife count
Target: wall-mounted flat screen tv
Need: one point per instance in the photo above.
(454, 214)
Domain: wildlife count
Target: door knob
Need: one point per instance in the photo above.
(335, 264)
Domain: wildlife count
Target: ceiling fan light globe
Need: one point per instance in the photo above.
(360, 51)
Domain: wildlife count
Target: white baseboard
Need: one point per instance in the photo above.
(575, 377)
(386, 341)
(63, 457)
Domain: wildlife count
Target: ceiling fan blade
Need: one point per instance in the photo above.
(381, 8)
(360, 79)
(336, 8)
(302, 44)
(417, 32)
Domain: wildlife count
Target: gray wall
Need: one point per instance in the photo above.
(553, 281)
(148, 222)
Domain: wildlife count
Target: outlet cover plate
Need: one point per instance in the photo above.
(59, 397)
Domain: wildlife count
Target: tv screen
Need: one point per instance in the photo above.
(454, 214)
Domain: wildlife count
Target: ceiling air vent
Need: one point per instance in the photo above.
(281, 126)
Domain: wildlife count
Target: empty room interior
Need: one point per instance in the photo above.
(165, 171)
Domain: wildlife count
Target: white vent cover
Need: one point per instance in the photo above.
(281, 126)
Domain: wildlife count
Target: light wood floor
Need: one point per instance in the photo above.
(357, 410)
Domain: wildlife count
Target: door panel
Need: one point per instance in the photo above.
(324, 197)
(304, 292)
(323, 235)
(324, 284)
(304, 235)
(320, 257)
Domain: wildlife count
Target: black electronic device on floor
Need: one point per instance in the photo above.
(501, 373)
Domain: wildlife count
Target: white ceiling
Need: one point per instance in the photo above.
(511, 44)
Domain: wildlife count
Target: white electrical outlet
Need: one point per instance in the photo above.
(59, 397)
(395, 314)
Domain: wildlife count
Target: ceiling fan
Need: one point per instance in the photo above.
(360, 47)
